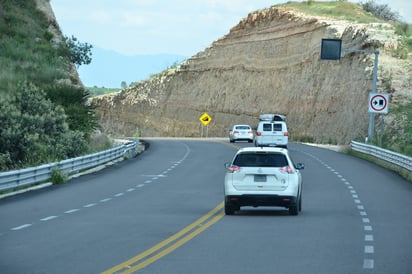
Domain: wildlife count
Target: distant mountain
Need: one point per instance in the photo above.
(109, 69)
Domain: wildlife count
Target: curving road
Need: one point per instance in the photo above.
(162, 212)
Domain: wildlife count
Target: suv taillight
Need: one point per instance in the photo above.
(286, 133)
(233, 169)
(286, 169)
(258, 133)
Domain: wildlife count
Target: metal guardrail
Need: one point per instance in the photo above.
(33, 175)
(384, 154)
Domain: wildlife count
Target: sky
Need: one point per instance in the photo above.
(149, 27)
(181, 27)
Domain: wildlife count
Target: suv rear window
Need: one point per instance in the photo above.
(260, 160)
(242, 127)
(267, 127)
(277, 127)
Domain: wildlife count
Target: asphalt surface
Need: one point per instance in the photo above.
(161, 212)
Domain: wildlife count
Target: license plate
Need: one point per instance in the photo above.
(260, 178)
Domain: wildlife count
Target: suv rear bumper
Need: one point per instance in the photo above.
(261, 200)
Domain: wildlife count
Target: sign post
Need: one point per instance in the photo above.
(331, 50)
(205, 119)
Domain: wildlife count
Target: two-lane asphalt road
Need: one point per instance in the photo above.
(162, 212)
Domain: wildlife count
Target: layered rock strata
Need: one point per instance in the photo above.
(268, 63)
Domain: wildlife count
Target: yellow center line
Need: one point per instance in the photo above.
(127, 265)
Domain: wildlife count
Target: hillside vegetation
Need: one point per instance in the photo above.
(43, 106)
(368, 12)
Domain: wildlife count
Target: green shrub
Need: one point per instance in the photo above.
(74, 100)
(99, 142)
(48, 35)
(136, 133)
(58, 177)
(403, 29)
(35, 131)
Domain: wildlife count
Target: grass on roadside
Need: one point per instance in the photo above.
(404, 173)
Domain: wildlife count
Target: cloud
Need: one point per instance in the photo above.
(101, 17)
(134, 19)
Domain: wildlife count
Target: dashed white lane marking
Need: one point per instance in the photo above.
(105, 200)
(369, 249)
(21, 227)
(48, 218)
(89, 205)
(72, 210)
(119, 194)
(368, 263)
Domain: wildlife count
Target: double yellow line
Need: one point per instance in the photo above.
(165, 247)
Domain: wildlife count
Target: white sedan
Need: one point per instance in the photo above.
(241, 133)
(263, 176)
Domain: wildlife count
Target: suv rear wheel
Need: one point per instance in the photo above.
(230, 208)
(295, 208)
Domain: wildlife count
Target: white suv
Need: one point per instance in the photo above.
(263, 176)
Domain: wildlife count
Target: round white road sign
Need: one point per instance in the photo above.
(378, 102)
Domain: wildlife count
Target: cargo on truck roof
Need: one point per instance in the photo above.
(272, 117)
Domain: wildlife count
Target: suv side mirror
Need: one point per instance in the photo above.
(227, 165)
(300, 166)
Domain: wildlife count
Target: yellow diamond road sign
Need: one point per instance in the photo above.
(205, 119)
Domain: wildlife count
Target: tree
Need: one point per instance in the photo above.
(383, 12)
(123, 84)
(74, 100)
(80, 53)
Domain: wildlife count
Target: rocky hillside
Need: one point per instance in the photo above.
(268, 63)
